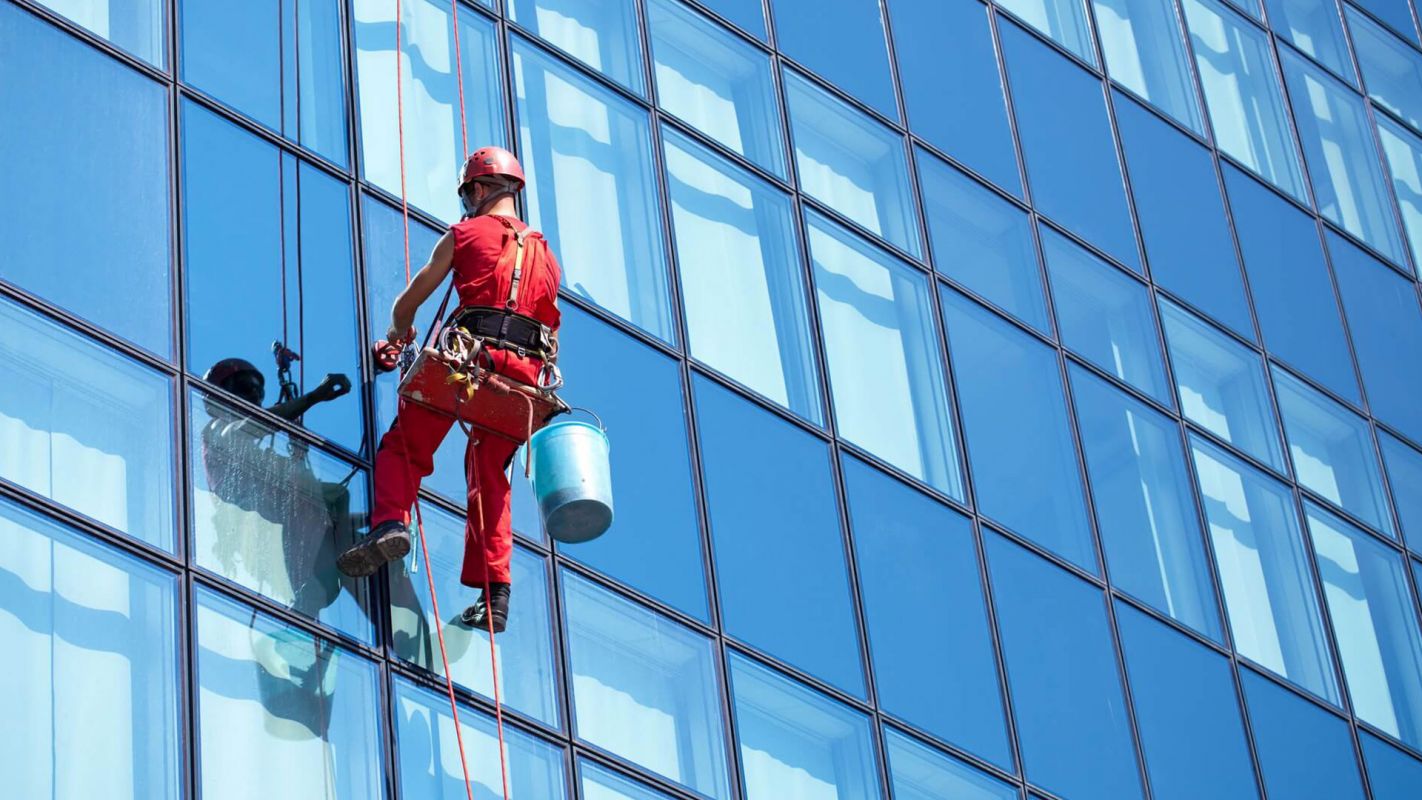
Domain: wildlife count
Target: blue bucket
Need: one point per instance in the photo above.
(572, 479)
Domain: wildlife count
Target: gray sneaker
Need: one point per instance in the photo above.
(388, 541)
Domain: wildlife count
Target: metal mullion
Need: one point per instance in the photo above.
(191, 692)
(1009, 705)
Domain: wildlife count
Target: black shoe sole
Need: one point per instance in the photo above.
(371, 554)
(473, 619)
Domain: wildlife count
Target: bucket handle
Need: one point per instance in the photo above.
(590, 413)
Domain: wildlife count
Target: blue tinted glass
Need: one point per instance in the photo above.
(915, 554)
(1315, 28)
(796, 742)
(1392, 774)
(281, 714)
(1021, 411)
(746, 13)
(600, 783)
(982, 241)
(277, 61)
(844, 41)
(1379, 641)
(1242, 93)
(588, 156)
(1062, 20)
(1404, 472)
(527, 681)
(965, 117)
(876, 316)
(248, 290)
(1332, 451)
(717, 82)
(1303, 750)
(1221, 385)
(1144, 506)
(428, 752)
(1395, 14)
(769, 511)
(1386, 323)
(1066, 688)
(271, 513)
(1404, 162)
(1342, 156)
(75, 118)
(1105, 316)
(600, 33)
(1264, 570)
(1392, 70)
(86, 427)
(138, 26)
(741, 276)
(851, 163)
(919, 772)
(1292, 290)
(655, 541)
(1182, 216)
(1193, 739)
(1067, 145)
(90, 667)
(644, 687)
(433, 134)
(1145, 52)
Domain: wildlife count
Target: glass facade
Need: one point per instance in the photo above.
(1008, 398)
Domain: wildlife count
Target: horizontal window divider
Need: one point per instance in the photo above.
(691, 132)
(630, 770)
(1074, 359)
(1201, 432)
(1334, 509)
(764, 659)
(276, 423)
(1005, 13)
(78, 31)
(1367, 12)
(630, 593)
(87, 329)
(1314, 384)
(1389, 738)
(514, 718)
(907, 730)
(871, 238)
(1087, 245)
(1262, 671)
(89, 527)
(1097, 581)
(210, 103)
(852, 449)
(519, 33)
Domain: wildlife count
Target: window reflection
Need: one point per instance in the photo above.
(922, 773)
(86, 427)
(282, 715)
(1303, 750)
(599, 33)
(1145, 52)
(138, 26)
(742, 280)
(90, 667)
(644, 687)
(842, 40)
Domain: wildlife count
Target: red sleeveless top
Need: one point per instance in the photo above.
(479, 243)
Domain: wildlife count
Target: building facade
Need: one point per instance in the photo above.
(1007, 401)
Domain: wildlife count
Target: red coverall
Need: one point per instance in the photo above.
(406, 454)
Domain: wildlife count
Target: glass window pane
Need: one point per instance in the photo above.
(1404, 471)
(844, 41)
(292, 264)
(916, 555)
(803, 615)
(1375, 622)
(1061, 20)
(1021, 411)
(1242, 94)
(742, 279)
(851, 163)
(282, 715)
(1395, 14)
(271, 513)
(1145, 509)
(599, 33)
(1315, 28)
(796, 742)
(1066, 688)
(1392, 774)
(1221, 385)
(717, 82)
(600, 783)
(86, 427)
(1404, 163)
(1105, 316)
(1145, 52)
(528, 682)
(1182, 217)
(1391, 69)
(885, 364)
(1342, 157)
(1193, 739)
(644, 687)
(279, 62)
(138, 26)
(921, 773)
(588, 156)
(655, 540)
(1264, 570)
(1333, 451)
(965, 117)
(1386, 323)
(982, 241)
(428, 752)
(1067, 145)
(75, 118)
(90, 668)
(433, 134)
(1303, 750)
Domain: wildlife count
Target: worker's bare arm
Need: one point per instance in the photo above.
(425, 282)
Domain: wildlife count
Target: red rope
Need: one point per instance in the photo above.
(459, 79)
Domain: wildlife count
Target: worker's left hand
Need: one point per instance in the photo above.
(334, 385)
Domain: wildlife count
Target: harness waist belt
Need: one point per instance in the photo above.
(505, 329)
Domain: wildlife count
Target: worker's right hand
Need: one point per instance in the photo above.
(394, 336)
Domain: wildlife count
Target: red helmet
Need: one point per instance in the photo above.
(491, 162)
(228, 368)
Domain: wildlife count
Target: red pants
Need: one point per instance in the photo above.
(406, 456)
